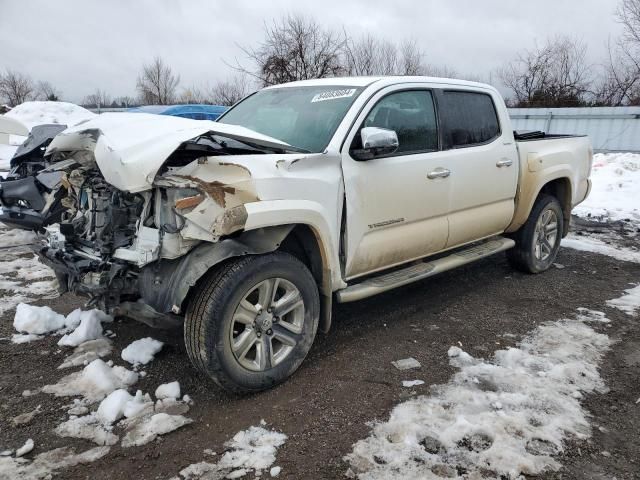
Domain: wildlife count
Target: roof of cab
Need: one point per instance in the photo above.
(379, 81)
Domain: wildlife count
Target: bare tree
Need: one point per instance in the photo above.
(46, 91)
(16, 88)
(125, 102)
(555, 74)
(230, 91)
(98, 99)
(411, 59)
(294, 48)
(369, 55)
(192, 94)
(620, 82)
(157, 84)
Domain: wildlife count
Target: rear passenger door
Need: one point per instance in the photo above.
(482, 159)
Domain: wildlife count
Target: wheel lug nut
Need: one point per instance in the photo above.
(269, 332)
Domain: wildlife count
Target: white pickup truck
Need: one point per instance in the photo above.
(247, 229)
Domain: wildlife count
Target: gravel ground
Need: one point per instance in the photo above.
(348, 379)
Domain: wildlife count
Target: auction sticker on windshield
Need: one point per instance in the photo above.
(333, 94)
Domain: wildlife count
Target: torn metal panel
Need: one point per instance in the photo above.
(130, 148)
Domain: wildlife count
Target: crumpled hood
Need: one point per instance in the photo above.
(130, 148)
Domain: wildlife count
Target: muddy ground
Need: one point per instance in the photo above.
(348, 379)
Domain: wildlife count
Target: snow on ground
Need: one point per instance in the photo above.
(87, 352)
(168, 390)
(46, 464)
(40, 113)
(37, 320)
(88, 328)
(6, 154)
(615, 191)
(596, 245)
(251, 450)
(141, 352)
(94, 382)
(628, 303)
(501, 417)
(147, 431)
(18, 267)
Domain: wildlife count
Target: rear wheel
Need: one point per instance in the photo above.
(538, 240)
(252, 321)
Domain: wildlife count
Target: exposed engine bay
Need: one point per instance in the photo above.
(124, 248)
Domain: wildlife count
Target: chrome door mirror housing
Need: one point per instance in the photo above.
(376, 142)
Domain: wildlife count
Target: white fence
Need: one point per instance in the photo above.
(610, 129)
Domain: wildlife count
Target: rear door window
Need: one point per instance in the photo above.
(470, 118)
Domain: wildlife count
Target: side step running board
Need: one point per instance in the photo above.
(382, 283)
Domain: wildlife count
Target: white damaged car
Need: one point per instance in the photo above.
(247, 229)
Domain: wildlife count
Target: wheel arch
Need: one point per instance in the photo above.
(166, 286)
(558, 186)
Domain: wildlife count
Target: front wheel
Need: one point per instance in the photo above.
(538, 240)
(252, 321)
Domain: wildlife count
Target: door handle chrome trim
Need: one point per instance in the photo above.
(505, 162)
(439, 173)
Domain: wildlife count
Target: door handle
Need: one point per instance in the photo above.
(439, 173)
(505, 162)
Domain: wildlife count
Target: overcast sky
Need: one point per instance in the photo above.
(81, 45)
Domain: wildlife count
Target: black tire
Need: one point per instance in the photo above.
(523, 256)
(209, 321)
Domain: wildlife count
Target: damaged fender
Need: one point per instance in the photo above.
(165, 285)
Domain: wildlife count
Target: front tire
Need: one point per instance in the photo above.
(252, 321)
(538, 240)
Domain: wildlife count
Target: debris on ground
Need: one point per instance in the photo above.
(406, 363)
(412, 383)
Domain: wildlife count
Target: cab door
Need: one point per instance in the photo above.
(396, 204)
(483, 162)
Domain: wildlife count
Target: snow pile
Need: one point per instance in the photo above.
(19, 338)
(26, 448)
(6, 154)
(41, 113)
(502, 417)
(47, 464)
(595, 245)
(168, 390)
(87, 352)
(37, 320)
(15, 237)
(148, 430)
(17, 265)
(628, 303)
(141, 419)
(87, 324)
(141, 351)
(94, 382)
(87, 427)
(615, 191)
(26, 268)
(250, 450)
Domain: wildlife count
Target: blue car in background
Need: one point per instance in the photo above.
(194, 111)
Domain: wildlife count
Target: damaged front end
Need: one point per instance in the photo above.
(126, 247)
(30, 195)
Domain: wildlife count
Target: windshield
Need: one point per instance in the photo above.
(304, 117)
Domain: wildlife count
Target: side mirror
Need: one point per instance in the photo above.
(375, 142)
